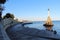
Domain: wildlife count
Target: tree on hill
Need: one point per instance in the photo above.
(8, 15)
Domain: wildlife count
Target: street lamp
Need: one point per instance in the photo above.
(2, 2)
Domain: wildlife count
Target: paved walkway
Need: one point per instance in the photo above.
(23, 33)
(3, 35)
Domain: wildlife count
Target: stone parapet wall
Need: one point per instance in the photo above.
(8, 22)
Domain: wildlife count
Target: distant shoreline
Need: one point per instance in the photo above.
(52, 21)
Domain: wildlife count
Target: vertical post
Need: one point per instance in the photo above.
(1, 9)
(0, 16)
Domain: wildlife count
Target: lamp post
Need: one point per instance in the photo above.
(2, 2)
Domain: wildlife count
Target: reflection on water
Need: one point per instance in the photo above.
(39, 25)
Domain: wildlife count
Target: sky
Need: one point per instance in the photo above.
(33, 9)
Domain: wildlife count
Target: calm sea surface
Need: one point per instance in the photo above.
(39, 25)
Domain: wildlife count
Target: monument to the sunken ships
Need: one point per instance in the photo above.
(48, 23)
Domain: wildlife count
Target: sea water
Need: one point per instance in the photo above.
(39, 25)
